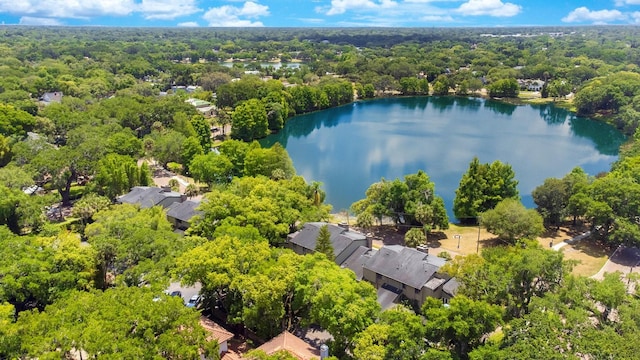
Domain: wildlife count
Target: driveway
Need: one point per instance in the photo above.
(625, 260)
(187, 291)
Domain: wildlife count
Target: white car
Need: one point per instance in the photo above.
(194, 301)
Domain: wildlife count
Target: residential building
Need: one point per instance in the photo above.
(293, 345)
(147, 196)
(51, 97)
(343, 240)
(399, 271)
(217, 332)
(180, 214)
(204, 107)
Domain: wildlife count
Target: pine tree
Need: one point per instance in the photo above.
(323, 243)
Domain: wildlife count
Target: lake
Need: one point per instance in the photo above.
(353, 146)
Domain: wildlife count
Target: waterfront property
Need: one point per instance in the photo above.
(343, 240)
(397, 272)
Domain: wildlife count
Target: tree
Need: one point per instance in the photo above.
(88, 205)
(397, 335)
(89, 322)
(167, 146)
(117, 174)
(38, 270)
(411, 201)
(552, 199)
(512, 222)
(462, 324)
(323, 242)
(414, 237)
(211, 168)
(190, 149)
(510, 276)
(503, 88)
(250, 121)
(482, 187)
(275, 208)
(203, 132)
(261, 161)
(137, 246)
(15, 121)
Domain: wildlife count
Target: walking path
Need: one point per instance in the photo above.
(571, 241)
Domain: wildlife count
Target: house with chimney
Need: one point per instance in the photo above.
(343, 240)
(397, 272)
(400, 272)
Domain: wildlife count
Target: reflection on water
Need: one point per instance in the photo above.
(350, 147)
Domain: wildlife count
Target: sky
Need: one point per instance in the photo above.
(318, 13)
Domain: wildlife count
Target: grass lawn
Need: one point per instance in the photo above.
(447, 240)
(592, 256)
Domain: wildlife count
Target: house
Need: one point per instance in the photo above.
(531, 85)
(147, 196)
(398, 271)
(180, 214)
(204, 107)
(292, 344)
(217, 332)
(51, 97)
(343, 240)
(355, 262)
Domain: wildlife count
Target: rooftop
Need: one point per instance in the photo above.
(147, 196)
(356, 261)
(340, 237)
(293, 345)
(405, 265)
(184, 211)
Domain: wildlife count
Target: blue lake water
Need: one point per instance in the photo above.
(350, 147)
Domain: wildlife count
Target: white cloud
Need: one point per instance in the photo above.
(167, 9)
(583, 14)
(342, 6)
(489, 7)
(627, 2)
(28, 20)
(79, 9)
(86, 9)
(635, 16)
(231, 16)
(188, 24)
(437, 18)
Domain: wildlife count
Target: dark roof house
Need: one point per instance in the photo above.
(408, 272)
(147, 197)
(180, 214)
(343, 240)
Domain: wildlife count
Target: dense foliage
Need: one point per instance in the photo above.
(123, 108)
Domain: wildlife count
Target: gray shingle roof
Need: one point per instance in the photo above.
(451, 287)
(405, 265)
(183, 211)
(147, 196)
(340, 237)
(356, 261)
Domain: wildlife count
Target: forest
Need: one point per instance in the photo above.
(86, 114)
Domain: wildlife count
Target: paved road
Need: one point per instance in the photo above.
(624, 259)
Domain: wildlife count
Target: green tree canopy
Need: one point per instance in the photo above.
(323, 242)
(482, 187)
(512, 222)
